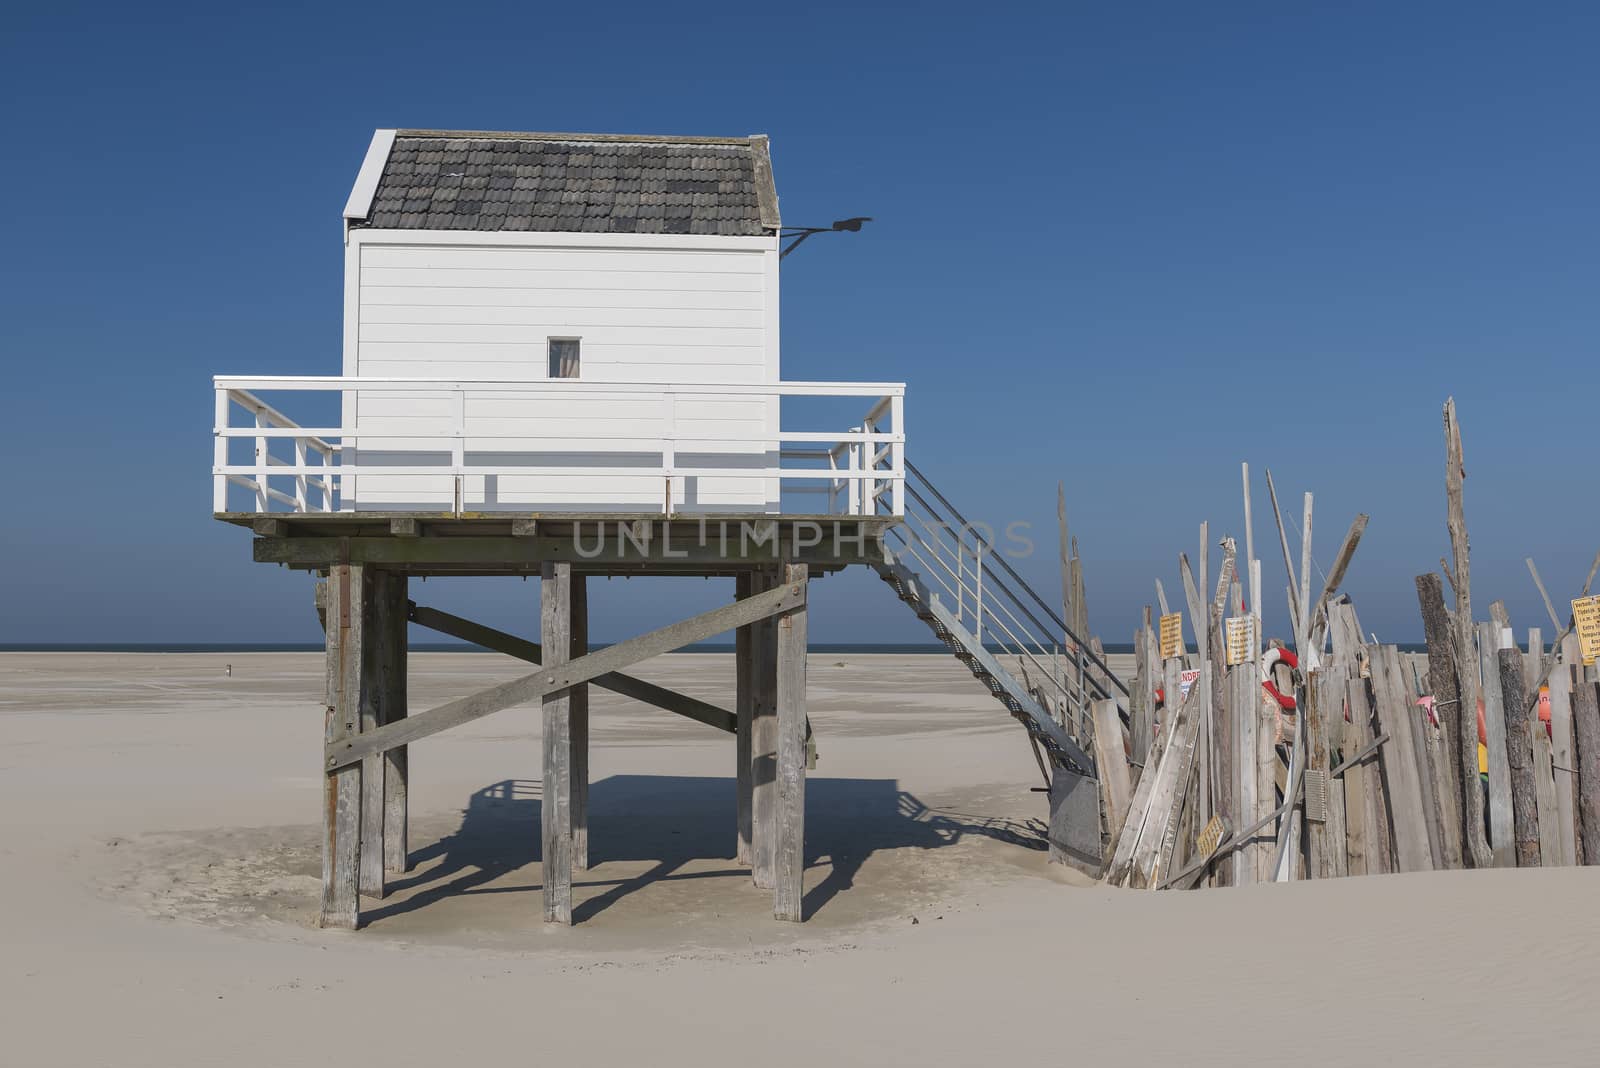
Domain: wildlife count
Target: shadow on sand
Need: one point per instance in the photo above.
(669, 821)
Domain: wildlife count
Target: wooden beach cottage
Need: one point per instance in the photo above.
(561, 357)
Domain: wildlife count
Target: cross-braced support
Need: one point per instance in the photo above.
(366, 675)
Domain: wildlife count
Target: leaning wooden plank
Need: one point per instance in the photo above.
(1341, 565)
(1326, 700)
(1586, 735)
(341, 816)
(1126, 843)
(1111, 763)
(1563, 761)
(1159, 841)
(1398, 762)
(1375, 803)
(1502, 826)
(1544, 786)
(1519, 758)
(555, 678)
(1244, 709)
(1200, 612)
(789, 859)
(618, 683)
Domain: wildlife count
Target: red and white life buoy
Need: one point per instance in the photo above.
(1275, 656)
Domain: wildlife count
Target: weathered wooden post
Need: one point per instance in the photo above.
(341, 814)
(555, 808)
(393, 610)
(789, 864)
(1455, 806)
(1519, 758)
(764, 743)
(743, 708)
(1586, 735)
(578, 729)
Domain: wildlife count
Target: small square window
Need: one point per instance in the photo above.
(563, 357)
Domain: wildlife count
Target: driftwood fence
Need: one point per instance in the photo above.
(1329, 754)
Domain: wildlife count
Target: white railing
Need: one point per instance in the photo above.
(322, 464)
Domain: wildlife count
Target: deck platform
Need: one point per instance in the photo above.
(504, 543)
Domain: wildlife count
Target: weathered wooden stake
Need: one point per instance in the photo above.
(1477, 842)
(555, 808)
(789, 868)
(1519, 758)
(1563, 754)
(1456, 809)
(1502, 833)
(341, 816)
(1586, 733)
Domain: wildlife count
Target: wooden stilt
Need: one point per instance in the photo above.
(789, 856)
(764, 748)
(744, 697)
(376, 624)
(578, 730)
(396, 769)
(341, 816)
(555, 815)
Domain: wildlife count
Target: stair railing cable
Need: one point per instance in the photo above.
(1002, 626)
(1010, 595)
(913, 472)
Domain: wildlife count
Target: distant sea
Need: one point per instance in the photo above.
(455, 646)
(857, 648)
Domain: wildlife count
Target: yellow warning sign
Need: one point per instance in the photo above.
(1241, 639)
(1172, 636)
(1586, 620)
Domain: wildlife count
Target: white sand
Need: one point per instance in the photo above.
(157, 842)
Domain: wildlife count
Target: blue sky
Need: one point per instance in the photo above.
(1123, 246)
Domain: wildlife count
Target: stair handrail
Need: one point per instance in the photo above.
(1061, 623)
(1010, 595)
(1009, 643)
(1022, 646)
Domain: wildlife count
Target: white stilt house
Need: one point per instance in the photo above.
(555, 346)
(571, 323)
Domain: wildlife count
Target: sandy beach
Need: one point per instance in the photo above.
(158, 828)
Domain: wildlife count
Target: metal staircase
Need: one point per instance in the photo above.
(953, 578)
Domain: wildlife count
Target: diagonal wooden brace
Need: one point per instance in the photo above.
(352, 748)
(533, 653)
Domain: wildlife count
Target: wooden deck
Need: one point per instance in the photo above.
(503, 543)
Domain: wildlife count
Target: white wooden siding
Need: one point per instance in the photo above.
(483, 307)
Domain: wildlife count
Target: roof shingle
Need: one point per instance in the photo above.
(575, 183)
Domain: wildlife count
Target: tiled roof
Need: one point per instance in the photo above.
(582, 183)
